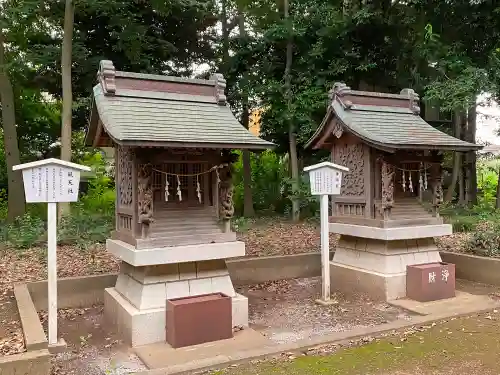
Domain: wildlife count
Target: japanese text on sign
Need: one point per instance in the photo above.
(52, 183)
(445, 274)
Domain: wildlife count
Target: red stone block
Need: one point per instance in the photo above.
(430, 281)
(199, 319)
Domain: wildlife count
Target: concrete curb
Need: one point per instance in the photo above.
(35, 362)
(268, 352)
(256, 270)
(474, 268)
(34, 336)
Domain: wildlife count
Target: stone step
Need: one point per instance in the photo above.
(157, 233)
(409, 217)
(413, 210)
(183, 240)
(184, 223)
(163, 214)
(181, 225)
(186, 228)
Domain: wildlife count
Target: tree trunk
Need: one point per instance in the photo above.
(471, 157)
(456, 159)
(292, 137)
(248, 209)
(463, 193)
(16, 200)
(461, 186)
(225, 38)
(67, 95)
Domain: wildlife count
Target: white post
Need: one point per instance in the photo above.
(52, 270)
(325, 249)
(51, 181)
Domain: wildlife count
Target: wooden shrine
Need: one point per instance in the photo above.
(173, 139)
(394, 159)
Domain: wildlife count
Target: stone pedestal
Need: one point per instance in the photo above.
(374, 260)
(137, 304)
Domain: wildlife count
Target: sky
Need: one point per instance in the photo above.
(488, 121)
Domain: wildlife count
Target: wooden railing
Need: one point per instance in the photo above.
(349, 206)
(350, 209)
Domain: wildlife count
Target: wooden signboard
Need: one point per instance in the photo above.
(51, 181)
(325, 179)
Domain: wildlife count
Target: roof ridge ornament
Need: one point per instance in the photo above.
(106, 76)
(414, 100)
(220, 86)
(340, 89)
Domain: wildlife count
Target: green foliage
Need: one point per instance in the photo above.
(84, 229)
(487, 187)
(309, 205)
(240, 224)
(26, 231)
(91, 219)
(268, 173)
(271, 187)
(464, 223)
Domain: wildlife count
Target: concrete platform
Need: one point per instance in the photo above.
(143, 327)
(462, 303)
(162, 355)
(391, 234)
(378, 267)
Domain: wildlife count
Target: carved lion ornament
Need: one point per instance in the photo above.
(226, 191)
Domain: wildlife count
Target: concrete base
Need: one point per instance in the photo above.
(326, 303)
(391, 234)
(163, 356)
(143, 327)
(378, 267)
(174, 254)
(60, 347)
(461, 302)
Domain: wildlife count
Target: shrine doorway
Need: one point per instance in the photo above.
(181, 184)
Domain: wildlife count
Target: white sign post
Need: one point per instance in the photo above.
(51, 181)
(325, 179)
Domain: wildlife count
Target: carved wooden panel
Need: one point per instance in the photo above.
(124, 175)
(353, 157)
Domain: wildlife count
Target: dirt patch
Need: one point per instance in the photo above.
(278, 236)
(93, 348)
(454, 243)
(285, 311)
(31, 265)
(281, 237)
(11, 334)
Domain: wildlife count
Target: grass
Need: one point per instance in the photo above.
(471, 343)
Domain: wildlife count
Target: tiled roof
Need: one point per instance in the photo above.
(398, 127)
(149, 110)
(387, 121)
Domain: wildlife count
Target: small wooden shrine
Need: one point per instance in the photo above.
(394, 159)
(173, 139)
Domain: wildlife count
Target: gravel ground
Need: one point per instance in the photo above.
(264, 237)
(92, 349)
(276, 236)
(30, 265)
(285, 311)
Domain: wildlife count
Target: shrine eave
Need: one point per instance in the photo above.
(385, 127)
